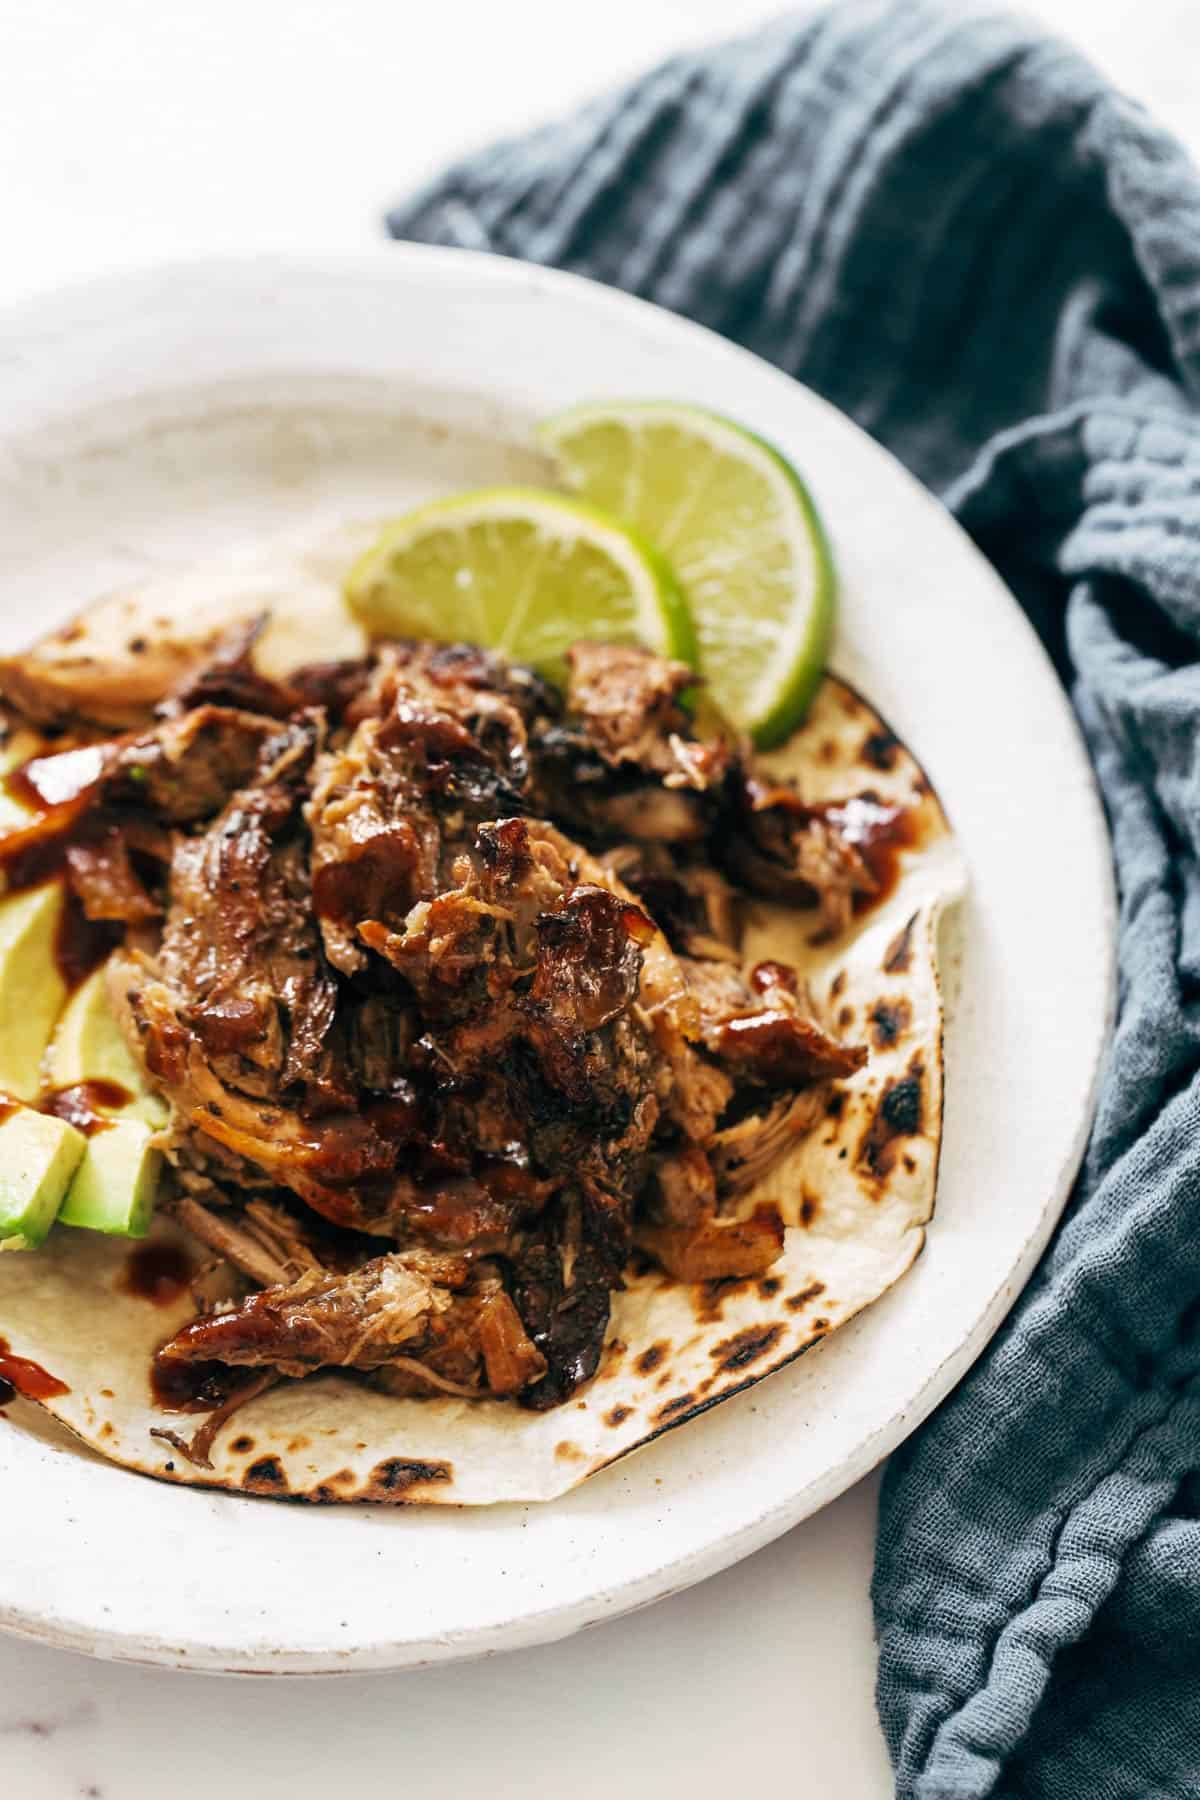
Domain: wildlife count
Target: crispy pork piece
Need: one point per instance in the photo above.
(762, 1029)
(719, 1250)
(820, 856)
(322, 1319)
(240, 949)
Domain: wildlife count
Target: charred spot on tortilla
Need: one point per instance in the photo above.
(804, 1296)
(650, 1359)
(746, 1346)
(397, 1476)
(673, 1408)
(898, 1114)
(710, 1297)
(880, 750)
(265, 1476)
(460, 1129)
(897, 958)
(889, 1021)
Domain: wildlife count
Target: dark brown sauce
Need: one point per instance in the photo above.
(767, 975)
(80, 1104)
(158, 1273)
(56, 790)
(399, 1116)
(46, 783)
(29, 1379)
(8, 1106)
(29, 857)
(192, 1387)
(880, 832)
(82, 944)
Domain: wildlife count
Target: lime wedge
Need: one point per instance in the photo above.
(741, 532)
(521, 571)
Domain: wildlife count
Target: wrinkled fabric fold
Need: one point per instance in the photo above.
(955, 230)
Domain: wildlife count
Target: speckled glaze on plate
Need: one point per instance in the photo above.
(159, 419)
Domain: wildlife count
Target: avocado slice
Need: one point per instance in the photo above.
(88, 1046)
(32, 990)
(38, 1157)
(114, 1187)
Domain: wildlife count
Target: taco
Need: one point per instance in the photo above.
(515, 1075)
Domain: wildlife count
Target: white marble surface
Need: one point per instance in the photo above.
(134, 131)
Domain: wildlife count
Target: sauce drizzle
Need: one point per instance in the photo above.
(81, 944)
(29, 1379)
(158, 1273)
(879, 831)
(80, 1104)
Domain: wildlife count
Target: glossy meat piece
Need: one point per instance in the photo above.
(180, 772)
(819, 856)
(562, 1285)
(431, 753)
(240, 949)
(230, 678)
(357, 1320)
(627, 703)
(765, 1032)
(105, 881)
(406, 1312)
(589, 959)
(719, 1250)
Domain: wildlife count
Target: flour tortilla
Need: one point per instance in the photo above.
(855, 1194)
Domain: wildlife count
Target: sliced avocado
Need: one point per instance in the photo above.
(38, 1156)
(116, 1182)
(31, 989)
(88, 1046)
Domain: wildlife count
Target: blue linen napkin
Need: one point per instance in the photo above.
(955, 230)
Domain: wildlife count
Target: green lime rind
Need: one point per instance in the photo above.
(796, 695)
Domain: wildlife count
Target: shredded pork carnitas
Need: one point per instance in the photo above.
(441, 979)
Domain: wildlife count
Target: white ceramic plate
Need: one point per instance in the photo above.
(149, 420)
